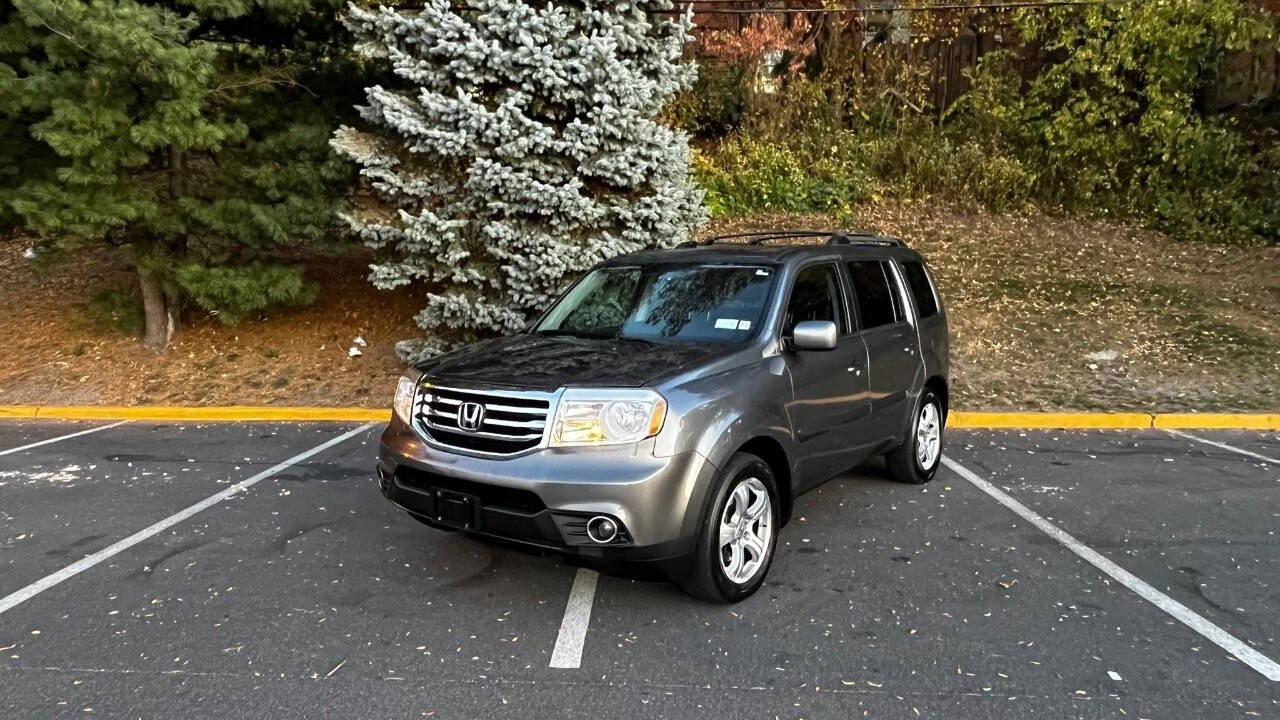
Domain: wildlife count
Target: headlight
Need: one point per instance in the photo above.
(607, 416)
(402, 404)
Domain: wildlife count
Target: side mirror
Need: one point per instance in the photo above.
(815, 335)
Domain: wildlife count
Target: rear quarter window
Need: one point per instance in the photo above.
(921, 288)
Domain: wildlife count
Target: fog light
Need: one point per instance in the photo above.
(602, 529)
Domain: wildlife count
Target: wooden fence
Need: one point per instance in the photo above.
(972, 30)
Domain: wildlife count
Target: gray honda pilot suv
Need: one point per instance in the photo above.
(671, 404)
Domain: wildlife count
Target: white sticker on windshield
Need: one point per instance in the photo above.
(744, 324)
(762, 272)
(727, 323)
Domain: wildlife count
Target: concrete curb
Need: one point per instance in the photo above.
(958, 419)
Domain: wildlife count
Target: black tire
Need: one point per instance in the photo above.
(706, 578)
(903, 461)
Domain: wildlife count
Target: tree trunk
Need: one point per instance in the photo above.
(158, 312)
(160, 309)
(177, 173)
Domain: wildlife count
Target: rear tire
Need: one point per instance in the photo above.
(916, 460)
(738, 534)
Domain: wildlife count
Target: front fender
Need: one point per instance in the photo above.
(716, 415)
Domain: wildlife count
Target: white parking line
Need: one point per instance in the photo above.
(62, 437)
(11, 601)
(1224, 446)
(1175, 609)
(577, 616)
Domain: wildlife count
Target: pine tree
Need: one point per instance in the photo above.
(517, 147)
(192, 136)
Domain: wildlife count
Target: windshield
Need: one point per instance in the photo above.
(676, 302)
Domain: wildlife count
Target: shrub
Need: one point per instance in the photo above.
(807, 111)
(714, 106)
(742, 175)
(1116, 123)
(232, 293)
(918, 159)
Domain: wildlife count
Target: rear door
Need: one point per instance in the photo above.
(829, 386)
(891, 342)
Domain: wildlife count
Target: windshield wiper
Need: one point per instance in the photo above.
(572, 334)
(628, 338)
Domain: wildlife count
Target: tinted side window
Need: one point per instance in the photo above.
(921, 290)
(816, 296)
(877, 304)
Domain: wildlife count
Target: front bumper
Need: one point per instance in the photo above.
(543, 497)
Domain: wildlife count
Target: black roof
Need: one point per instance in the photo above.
(774, 246)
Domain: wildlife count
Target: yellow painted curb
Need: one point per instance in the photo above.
(242, 413)
(18, 412)
(1222, 421)
(1049, 420)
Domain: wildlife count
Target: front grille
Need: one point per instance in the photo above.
(511, 420)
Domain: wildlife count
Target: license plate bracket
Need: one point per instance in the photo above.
(457, 509)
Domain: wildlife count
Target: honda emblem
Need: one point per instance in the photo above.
(470, 415)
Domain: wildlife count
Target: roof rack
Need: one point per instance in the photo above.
(834, 237)
(755, 238)
(857, 238)
(787, 235)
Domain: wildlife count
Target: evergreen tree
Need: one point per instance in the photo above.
(191, 135)
(517, 146)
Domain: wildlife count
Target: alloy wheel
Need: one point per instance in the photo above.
(928, 436)
(746, 531)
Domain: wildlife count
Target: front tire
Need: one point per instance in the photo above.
(738, 534)
(916, 460)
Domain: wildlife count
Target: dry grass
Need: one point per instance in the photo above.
(54, 354)
(1050, 312)
(1037, 303)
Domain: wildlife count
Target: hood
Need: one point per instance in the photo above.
(550, 362)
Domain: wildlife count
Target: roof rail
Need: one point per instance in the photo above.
(755, 238)
(788, 235)
(761, 236)
(859, 238)
(834, 237)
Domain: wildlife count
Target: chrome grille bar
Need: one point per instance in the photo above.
(512, 420)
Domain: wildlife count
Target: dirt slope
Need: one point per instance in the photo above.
(1047, 312)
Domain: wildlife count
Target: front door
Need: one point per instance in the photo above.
(829, 386)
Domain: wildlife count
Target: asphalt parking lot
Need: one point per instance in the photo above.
(253, 570)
